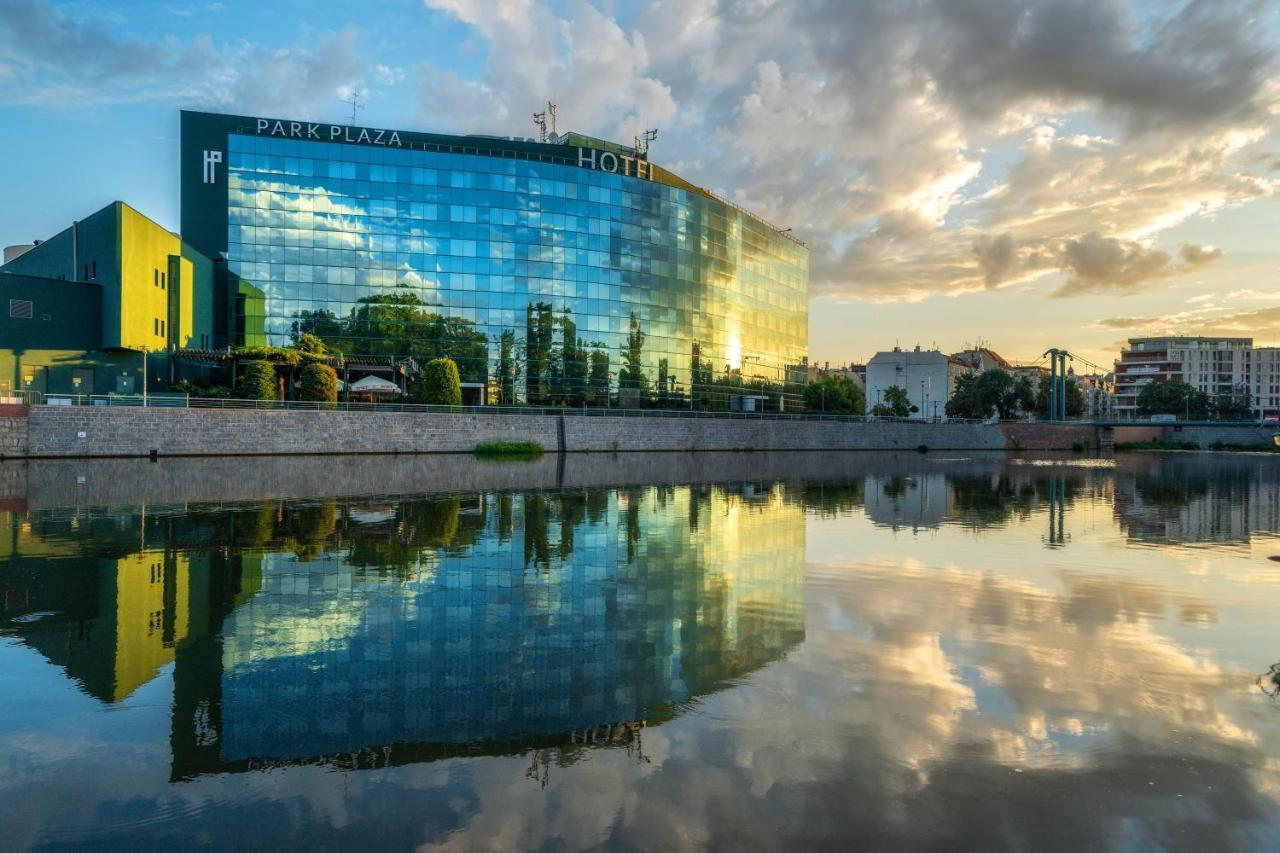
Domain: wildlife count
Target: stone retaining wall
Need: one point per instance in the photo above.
(84, 431)
(13, 430)
(1207, 436)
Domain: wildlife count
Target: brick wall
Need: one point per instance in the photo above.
(13, 430)
(124, 431)
(1041, 436)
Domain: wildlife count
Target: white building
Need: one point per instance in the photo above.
(1216, 366)
(1212, 365)
(928, 377)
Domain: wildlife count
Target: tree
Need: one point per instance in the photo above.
(538, 332)
(1075, 398)
(598, 380)
(319, 383)
(834, 395)
(508, 370)
(440, 383)
(1173, 398)
(258, 381)
(991, 392)
(632, 374)
(894, 404)
(1235, 405)
(311, 345)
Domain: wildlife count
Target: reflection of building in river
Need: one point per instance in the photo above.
(423, 627)
(1189, 499)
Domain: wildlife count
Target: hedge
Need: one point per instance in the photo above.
(440, 383)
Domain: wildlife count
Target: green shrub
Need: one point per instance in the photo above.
(440, 383)
(257, 381)
(509, 449)
(319, 383)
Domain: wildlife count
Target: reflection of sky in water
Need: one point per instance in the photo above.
(962, 678)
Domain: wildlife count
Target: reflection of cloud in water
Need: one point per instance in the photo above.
(946, 708)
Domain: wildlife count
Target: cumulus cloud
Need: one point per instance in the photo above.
(56, 59)
(1098, 263)
(920, 148)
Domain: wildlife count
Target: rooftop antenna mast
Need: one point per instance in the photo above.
(540, 119)
(643, 140)
(551, 113)
(354, 101)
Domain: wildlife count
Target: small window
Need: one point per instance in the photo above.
(155, 279)
(94, 271)
(155, 327)
(162, 283)
(162, 328)
(21, 309)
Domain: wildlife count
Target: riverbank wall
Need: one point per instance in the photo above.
(43, 432)
(88, 431)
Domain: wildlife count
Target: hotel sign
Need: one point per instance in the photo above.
(618, 164)
(328, 132)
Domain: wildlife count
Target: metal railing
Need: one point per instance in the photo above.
(183, 401)
(22, 397)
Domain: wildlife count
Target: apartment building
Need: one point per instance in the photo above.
(1212, 365)
(1264, 381)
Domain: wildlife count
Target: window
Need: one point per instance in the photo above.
(155, 326)
(162, 282)
(155, 279)
(94, 270)
(21, 309)
(162, 328)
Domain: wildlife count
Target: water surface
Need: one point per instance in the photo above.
(739, 651)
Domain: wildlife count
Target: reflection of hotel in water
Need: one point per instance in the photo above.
(1190, 499)
(418, 628)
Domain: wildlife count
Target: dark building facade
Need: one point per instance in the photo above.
(556, 272)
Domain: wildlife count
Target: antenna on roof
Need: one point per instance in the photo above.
(643, 140)
(354, 101)
(551, 114)
(540, 119)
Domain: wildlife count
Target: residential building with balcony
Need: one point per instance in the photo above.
(1212, 365)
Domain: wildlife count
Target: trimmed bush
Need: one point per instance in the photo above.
(257, 381)
(509, 449)
(319, 383)
(440, 383)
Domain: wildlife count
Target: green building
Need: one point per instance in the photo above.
(77, 311)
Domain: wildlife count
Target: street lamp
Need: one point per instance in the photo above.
(144, 376)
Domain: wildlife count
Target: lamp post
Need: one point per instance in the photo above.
(144, 376)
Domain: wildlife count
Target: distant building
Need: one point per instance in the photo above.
(1212, 365)
(928, 376)
(1264, 381)
(982, 359)
(1099, 394)
(855, 373)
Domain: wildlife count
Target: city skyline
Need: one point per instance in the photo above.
(1032, 175)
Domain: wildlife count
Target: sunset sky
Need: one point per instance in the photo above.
(1029, 174)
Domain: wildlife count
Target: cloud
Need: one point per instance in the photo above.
(1108, 264)
(58, 60)
(1126, 322)
(1262, 324)
(935, 147)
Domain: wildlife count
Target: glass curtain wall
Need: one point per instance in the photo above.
(547, 284)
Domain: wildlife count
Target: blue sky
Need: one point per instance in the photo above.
(1031, 174)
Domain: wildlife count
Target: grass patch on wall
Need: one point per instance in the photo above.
(508, 450)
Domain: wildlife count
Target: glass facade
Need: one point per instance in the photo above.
(545, 282)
